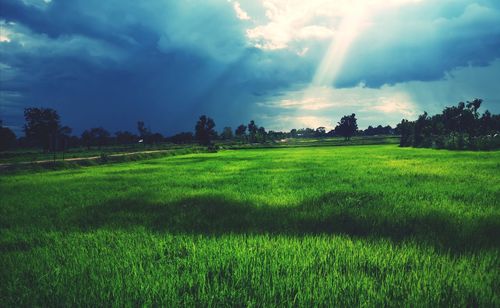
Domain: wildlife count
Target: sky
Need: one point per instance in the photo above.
(283, 63)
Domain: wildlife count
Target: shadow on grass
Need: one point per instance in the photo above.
(361, 215)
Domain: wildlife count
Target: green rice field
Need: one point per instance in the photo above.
(359, 225)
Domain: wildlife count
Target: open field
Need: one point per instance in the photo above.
(20, 156)
(354, 225)
(34, 155)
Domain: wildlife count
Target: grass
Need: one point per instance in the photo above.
(349, 226)
(31, 155)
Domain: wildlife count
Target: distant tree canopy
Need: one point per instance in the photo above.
(204, 130)
(241, 132)
(252, 131)
(379, 130)
(457, 127)
(261, 135)
(184, 137)
(42, 127)
(227, 133)
(97, 136)
(64, 140)
(126, 137)
(256, 134)
(347, 127)
(320, 132)
(7, 138)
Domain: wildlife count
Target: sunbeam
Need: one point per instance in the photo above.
(347, 32)
(356, 18)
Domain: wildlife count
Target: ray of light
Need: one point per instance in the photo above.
(355, 20)
(348, 30)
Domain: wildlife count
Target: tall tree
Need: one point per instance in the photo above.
(7, 138)
(241, 132)
(347, 127)
(405, 129)
(261, 134)
(204, 130)
(252, 131)
(42, 126)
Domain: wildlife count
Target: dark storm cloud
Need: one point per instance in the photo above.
(113, 62)
(112, 72)
(399, 47)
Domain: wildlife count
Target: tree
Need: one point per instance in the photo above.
(101, 136)
(7, 138)
(457, 127)
(252, 131)
(261, 135)
(422, 131)
(156, 138)
(42, 127)
(241, 132)
(405, 129)
(63, 138)
(86, 139)
(126, 137)
(320, 132)
(487, 124)
(227, 133)
(184, 137)
(347, 126)
(379, 130)
(97, 136)
(204, 130)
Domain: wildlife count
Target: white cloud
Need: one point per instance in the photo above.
(23, 40)
(297, 20)
(4, 32)
(240, 13)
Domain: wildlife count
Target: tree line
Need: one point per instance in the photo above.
(457, 127)
(43, 129)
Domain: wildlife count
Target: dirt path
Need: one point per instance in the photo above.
(7, 165)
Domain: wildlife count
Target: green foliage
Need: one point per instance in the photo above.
(240, 132)
(227, 133)
(42, 126)
(456, 128)
(341, 226)
(204, 130)
(347, 127)
(97, 136)
(252, 131)
(7, 138)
